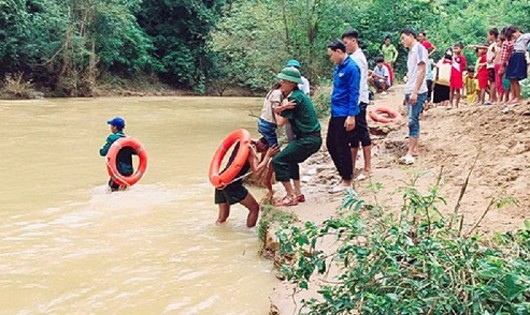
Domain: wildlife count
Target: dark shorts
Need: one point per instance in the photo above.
(268, 131)
(441, 93)
(232, 194)
(491, 75)
(361, 132)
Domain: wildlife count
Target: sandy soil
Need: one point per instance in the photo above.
(451, 139)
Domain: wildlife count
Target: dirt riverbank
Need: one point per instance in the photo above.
(497, 136)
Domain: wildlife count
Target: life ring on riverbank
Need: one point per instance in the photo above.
(393, 116)
(112, 167)
(220, 180)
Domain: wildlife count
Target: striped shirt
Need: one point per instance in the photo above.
(506, 52)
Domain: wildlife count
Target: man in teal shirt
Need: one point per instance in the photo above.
(124, 158)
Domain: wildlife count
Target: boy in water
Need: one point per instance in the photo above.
(124, 158)
(235, 192)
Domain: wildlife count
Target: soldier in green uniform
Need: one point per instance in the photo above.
(301, 114)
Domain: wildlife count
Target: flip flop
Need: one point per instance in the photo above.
(286, 201)
(300, 198)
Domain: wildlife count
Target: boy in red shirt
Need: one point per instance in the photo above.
(456, 83)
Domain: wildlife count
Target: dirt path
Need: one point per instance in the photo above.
(451, 139)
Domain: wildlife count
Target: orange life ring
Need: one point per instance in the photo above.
(220, 180)
(112, 168)
(394, 116)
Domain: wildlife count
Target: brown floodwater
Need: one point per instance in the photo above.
(67, 246)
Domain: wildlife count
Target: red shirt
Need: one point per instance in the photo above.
(506, 52)
(427, 44)
(459, 64)
(483, 70)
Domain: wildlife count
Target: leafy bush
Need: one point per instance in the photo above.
(322, 100)
(16, 86)
(270, 215)
(525, 88)
(419, 263)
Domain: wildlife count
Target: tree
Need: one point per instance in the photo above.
(179, 30)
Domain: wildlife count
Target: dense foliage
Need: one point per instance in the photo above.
(259, 36)
(70, 45)
(422, 263)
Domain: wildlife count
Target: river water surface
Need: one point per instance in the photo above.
(67, 246)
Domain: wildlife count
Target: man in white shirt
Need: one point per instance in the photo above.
(361, 133)
(380, 77)
(304, 86)
(415, 89)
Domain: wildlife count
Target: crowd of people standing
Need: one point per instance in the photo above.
(502, 62)
(288, 104)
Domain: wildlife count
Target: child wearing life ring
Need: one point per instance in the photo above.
(235, 192)
(124, 157)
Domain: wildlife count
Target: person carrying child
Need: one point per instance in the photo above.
(267, 127)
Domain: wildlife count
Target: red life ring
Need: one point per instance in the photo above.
(220, 180)
(112, 169)
(394, 116)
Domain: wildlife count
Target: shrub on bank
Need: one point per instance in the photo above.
(322, 99)
(420, 263)
(15, 86)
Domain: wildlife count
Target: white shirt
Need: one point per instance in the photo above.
(521, 44)
(304, 86)
(490, 56)
(417, 55)
(360, 60)
(267, 111)
(383, 71)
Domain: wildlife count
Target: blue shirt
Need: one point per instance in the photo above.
(345, 95)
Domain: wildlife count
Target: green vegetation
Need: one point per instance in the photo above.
(270, 215)
(257, 37)
(69, 46)
(421, 263)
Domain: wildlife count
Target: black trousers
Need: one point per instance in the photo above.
(338, 143)
(361, 132)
